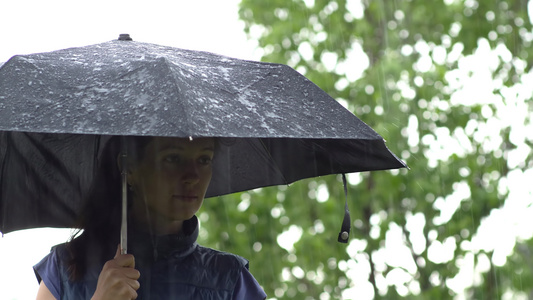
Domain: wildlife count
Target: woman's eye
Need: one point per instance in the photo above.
(172, 158)
(204, 160)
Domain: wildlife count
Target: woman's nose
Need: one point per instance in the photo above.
(191, 173)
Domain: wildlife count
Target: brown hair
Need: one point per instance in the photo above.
(101, 215)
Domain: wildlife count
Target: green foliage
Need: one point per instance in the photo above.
(414, 86)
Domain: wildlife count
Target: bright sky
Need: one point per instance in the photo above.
(29, 26)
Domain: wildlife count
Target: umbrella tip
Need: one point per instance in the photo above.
(124, 37)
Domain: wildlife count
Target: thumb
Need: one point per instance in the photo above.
(124, 260)
(119, 251)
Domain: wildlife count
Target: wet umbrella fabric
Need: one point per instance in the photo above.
(58, 110)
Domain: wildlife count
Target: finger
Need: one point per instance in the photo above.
(125, 260)
(126, 292)
(134, 295)
(129, 289)
(131, 273)
(134, 284)
(118, 252)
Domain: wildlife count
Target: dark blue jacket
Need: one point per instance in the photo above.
(180, 269)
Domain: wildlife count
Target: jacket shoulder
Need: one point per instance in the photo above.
(221, 259)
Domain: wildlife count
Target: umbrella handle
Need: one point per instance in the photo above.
(124, 217)
(346, 222)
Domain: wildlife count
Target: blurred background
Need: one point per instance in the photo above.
(448, 84)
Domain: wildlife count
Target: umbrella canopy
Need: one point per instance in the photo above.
(58, 110)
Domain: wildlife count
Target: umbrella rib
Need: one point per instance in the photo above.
(56, 162)
(176, 86)
(2, 171)
(272, 159)
(246, 87)
(128, 73)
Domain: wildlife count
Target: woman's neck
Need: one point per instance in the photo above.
(153, 223)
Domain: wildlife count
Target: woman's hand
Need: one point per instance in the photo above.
(118, 279)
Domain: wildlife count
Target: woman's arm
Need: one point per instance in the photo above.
(44, 293)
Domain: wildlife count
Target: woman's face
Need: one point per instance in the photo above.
(172, 178)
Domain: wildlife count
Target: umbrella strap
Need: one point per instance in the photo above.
(345, 228)
(124, 218)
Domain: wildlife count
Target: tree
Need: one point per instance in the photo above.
(449, 85)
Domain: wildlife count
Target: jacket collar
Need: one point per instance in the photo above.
(148, 247)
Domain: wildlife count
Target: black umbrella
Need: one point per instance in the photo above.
(58, 110)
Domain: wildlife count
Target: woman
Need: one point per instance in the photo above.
(167, 181)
